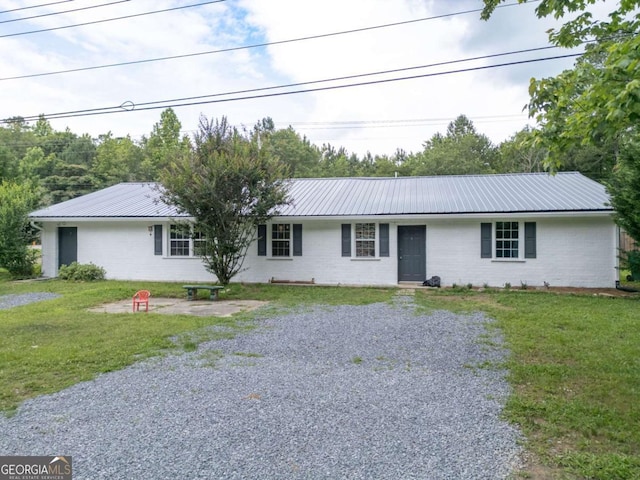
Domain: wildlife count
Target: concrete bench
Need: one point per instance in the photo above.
(192, 291)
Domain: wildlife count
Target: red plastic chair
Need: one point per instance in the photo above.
(141, 297)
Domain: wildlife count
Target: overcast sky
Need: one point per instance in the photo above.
(379, 118)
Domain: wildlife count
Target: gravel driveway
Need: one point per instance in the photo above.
(358, 392)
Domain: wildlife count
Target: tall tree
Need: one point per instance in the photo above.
(117, 160)
(35, 165)
(80, 151)
(15, 139)
(162, 146)
(598, 101)
(461, 151)
(301, 157)
(229, 183)
(600, 96)
(520, 154)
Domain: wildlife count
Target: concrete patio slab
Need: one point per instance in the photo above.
(176, 306)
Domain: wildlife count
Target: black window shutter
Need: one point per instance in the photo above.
(157, 239)
(297, 239)
(384, 239)
(530, 240)
(262, 240)
(346, 239)
(485, 240)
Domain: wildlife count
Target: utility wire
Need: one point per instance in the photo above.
(112, 19)
(257, 45)
(35, 6)
(132, 106)
(119, 109)
(61, 12)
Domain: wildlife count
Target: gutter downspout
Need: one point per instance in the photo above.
(625, 289)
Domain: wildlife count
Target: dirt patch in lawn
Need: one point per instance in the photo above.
(175, 306)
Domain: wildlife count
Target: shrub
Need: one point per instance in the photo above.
(21, 263)
(631, 261)
(81, 272)
(15, 203)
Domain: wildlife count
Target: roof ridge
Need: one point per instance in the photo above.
(466, 175)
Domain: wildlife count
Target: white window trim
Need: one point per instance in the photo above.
(376, 240)
(494, 249)
(190, 240)
(270, 255)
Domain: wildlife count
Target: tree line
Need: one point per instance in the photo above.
(61, 165)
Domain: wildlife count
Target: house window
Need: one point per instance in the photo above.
(365, 239)
(280, 239)
(286, 240)
(179, 240)
(507, 240)
(185, 242)
(199, 243)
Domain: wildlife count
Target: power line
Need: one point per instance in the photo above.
(118, 109)
(350, 77)
(111, 19)
(132, 106)
(62, 11)
(34, 6)
(257, 45)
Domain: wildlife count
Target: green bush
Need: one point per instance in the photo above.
(631, 261)
(20, 262)
(16, 200)
(81, 272)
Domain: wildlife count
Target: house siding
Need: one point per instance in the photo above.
(571, 251)
(577, 252)
(322, 261)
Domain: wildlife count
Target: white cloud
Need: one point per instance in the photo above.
(492, 98)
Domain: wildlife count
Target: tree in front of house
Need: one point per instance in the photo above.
(16, 201)
(229, 183)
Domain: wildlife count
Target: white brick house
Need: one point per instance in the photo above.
(484, 229)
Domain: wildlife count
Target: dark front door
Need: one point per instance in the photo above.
(67, 245)
(412, 253)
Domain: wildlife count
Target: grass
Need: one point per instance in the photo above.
(575, 372)
(50, 345)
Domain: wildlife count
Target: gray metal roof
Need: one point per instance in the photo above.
(119, 201)
(532, 192)
(312, 197)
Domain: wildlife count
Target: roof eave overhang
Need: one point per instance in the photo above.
(388, 217)
(453, 216)
(108, 219)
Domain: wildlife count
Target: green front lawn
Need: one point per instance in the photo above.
(575, 373)
(50, 345)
